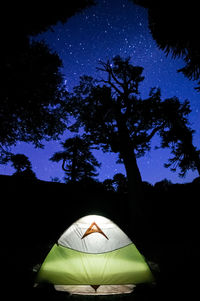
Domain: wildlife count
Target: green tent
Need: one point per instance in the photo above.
(94, 256)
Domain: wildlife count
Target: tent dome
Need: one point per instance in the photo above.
(108, 236)
(95, 256)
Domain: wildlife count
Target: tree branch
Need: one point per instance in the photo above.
(112, 85)
(107, 68)
(155, 130)
(63, 165)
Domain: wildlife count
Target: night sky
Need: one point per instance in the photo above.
(100, 32)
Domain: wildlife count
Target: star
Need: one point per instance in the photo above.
(99, 33)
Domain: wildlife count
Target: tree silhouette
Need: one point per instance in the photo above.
(163, 185)
(108, 184)
(179, 137)
(185, 156)
(175, 28)
(32, 99)
(115, 117)
(78, 162)
(35, 17)
(31, 106)
(117, 184)
(120, 183)
(22, 165)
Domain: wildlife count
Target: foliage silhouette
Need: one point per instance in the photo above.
(78, 162)
(41, 16)
(117, 184)
(23, 166)
(31, 87)
(108, 184)
(175, 28)
(32, 109)
(179, 137)
(163, 185)
(115, 118)
(120, 182)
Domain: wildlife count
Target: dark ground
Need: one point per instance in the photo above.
(34, 214)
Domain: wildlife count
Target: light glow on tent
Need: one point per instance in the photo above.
(104, 263)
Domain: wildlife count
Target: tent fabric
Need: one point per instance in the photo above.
(96, 242)
(94, 252)
(122, 266)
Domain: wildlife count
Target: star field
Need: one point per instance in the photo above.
(99, 33)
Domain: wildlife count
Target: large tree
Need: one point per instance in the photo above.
(175, 28)
(31, 95)
(78, 162)
(115, 117)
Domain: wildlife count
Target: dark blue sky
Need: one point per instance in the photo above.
(100, 32)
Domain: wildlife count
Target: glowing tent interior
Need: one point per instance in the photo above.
(94, 256)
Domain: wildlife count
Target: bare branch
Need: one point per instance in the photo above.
(107, 68)
(155, 130)
(112, 85)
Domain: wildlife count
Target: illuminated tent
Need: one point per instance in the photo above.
(94, 256)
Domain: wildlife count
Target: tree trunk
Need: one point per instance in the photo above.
(135, 195)
(134, 181)
(126, 150)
